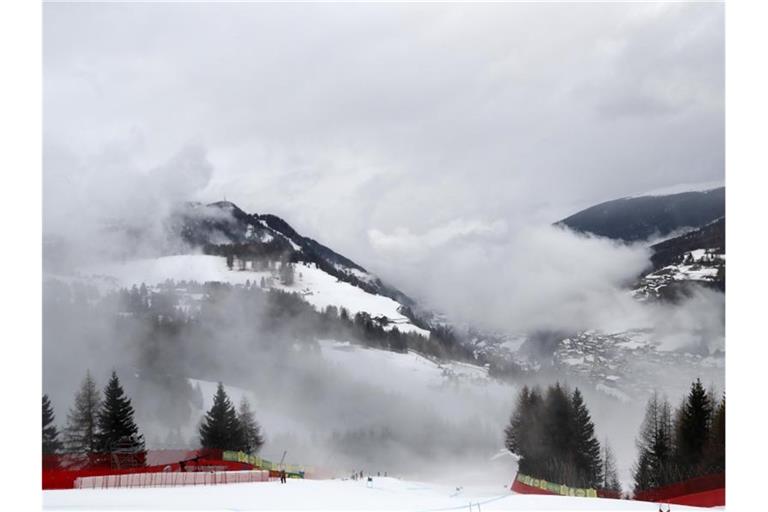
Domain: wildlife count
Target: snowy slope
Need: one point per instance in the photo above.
(399, 371)
(703, 266)
(394, 376)
(314, 285)
(385, 494)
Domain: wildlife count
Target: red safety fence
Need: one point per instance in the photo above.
(61, 471)
(171, 479)
(521, 488)
(703, 491)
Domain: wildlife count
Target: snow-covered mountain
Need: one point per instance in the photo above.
(313, 284)
(702, 267)
(222, 243)
(694, 258)
(625, 365)
(222, 228)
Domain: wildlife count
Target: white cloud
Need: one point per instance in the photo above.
(432, 143)
(403, 243)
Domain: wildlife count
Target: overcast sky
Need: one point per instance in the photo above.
(384, 131)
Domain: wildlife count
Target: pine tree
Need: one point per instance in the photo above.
(610, 474)
(655, 465)
(585, 447)
(117, 429)
(558, 437)
(250, 430)
(51, 442)
(642, 472)
(663, 447)
(517, 433)
(554, 437)
(693, 429)
(80, 433)
(220, 428)
(715, 450)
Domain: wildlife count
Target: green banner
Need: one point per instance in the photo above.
(295, 470)
(562, 490)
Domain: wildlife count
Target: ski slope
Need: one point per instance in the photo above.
(315, 286)
(399, 371)
(385, 494)
(399, 374)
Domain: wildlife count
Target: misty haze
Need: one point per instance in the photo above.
(462, 254)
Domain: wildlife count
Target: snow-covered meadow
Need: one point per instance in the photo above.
(315, 286)
(384, 494)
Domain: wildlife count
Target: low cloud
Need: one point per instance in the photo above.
(109, 204)
(517, 279)
(416, 246)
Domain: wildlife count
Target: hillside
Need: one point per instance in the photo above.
(310, 282)
(635, 219)
(696, 258)
(223, 229)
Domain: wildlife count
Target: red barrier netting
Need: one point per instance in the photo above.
(61, 471)
(703, 491)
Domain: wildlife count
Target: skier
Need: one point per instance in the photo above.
(370, 482)
(282, 477)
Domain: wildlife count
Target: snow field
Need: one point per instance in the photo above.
(315, 286)
(385, 494)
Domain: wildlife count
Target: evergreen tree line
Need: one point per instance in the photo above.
(106, 425)
(277, 315)
(225, 428)
(164, 336)
(267, 255)
(94, 424)
(553, 435)
(677, 445)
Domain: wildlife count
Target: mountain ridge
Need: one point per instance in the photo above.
(224, 229)
(635, 219)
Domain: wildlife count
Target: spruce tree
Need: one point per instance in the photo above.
(715, 451)
(642, 472)
(693, 429)
(558, 437)
(51, 442)
(554, 437)
(220, 428)
(655, 465)
(250, 430)
(663, 446)
(523, 435)
(610, 474)
(117, 429)
(80, 433)
(585, 447)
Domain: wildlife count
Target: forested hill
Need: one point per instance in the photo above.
(223, 229)
(635, 219)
